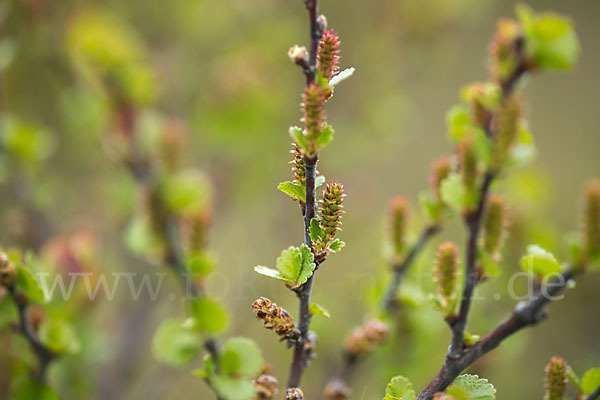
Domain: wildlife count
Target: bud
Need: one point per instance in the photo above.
(331, 209)
(294, 394)
(479, 112)
(446, 272)
(265, 387)
(468, 162)
(328, 57)
(8, 272)
(556, 379)
(298, 165)
(591, 217)
(494, 223)
(322, 22)
(299, 55)
(399, 212)
(273, 317)
(440, 170)
(336, 390)
(313, 104)
(505, 127)
(366, 338)
(504, 50)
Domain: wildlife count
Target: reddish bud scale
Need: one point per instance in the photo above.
(505, 127)
(298, 165)
(591, 218)
(440, 170)
(328, 56)
(494, 223)
(331, 209)
(399, 212)
(294, 394)
(265, 387)
(313, 105)
(468, 162)
(273, 316)
(366, 338)
(556, 379)
(446, 270)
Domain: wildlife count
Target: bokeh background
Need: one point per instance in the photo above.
(223, 76)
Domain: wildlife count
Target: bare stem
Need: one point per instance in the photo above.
(44, 355)
(525, 314)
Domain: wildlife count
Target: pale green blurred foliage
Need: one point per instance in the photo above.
(221, 68)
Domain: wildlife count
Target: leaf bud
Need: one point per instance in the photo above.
(336, 390)
(365, 338)
(494, 223)
(446, 272)
(265, 387)
(299, 55)
(294, 394)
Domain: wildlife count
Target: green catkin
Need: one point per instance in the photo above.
(506, 125)
(440, 170)
(503, 55)
(446, 271)
(591, 218)
(399, 213)
(556, 379)
(313, 106)
(494, 223)
(331, 210)
(298, 165)
(328, 57)
(468, 162)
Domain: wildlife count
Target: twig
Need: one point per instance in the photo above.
(595, 395)
(524, 314)
(389, 301)
(44, 355)
(302, 348)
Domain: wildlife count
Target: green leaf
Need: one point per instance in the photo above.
(474, 387)
(524, 151)
(241, 357)
(60, 337)
(324, 137)
(174, 344)
(400, 388)
(200, 264)
(470, 339)
(141, 238)
(187, 192)
(336, 245)
(315, 230)
(458, 122)
(209, 316)
(573, 378)
(319, 181)
(295, 190)
(270, 272)
(539, 261)
(308, 265)
(432, 208)
(297, 134)
(590, 381)
(27, 284)
(289, 264)
(8, 311)
(232, 388)
(453, 192)
(551, 41)
(317, 309)
(26, 388)
(342, 76)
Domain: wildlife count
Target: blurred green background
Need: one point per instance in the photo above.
(222, 72)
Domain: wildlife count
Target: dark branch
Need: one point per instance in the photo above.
(525, 314)
(44, 355)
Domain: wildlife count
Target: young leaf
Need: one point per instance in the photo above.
(241, 357)
(400, 388)
(27, 284)
(26, 388)
(292, 189)
(539, 261)
(454, 192)
(325, 137)
(315, 230)
(317, 309)
(209, 316)
(289, 264)
(174, 344)
(308, 265)
(187, 192)
(590, 381)
(270, 272)
(345, 74)
(474, 387)
(336, 245)
(232, 388)
(59, 336)
(319, 181)
(297, 134)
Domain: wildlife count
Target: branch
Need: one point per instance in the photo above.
(44, 355)
(302, 348)
(525, 314)
(473, 222)
(390, 304)
(594, 395)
